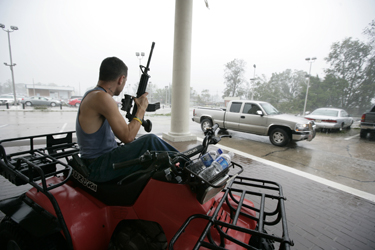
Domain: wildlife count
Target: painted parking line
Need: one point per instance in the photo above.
(61, 130)
(3, 125)
(63, 127)
(351, 137)
(318, 179)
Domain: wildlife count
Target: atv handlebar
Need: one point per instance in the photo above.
(171, 159)
(210, 138)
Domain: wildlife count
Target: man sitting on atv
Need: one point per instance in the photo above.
(99, 120)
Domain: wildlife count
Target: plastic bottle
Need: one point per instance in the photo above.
(218, 152)
(224, 160)
(207, 159)
(209, 172)
(210, 156)
(196, 166)
(215, 167)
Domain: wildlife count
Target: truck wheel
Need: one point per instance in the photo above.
(206, 123)
(12, 236)
(279, 137)
(139, 235)
(363, 133)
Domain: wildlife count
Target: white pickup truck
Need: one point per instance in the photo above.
(257, 117)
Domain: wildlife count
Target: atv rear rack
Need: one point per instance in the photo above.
(38, 163)
(263, 193)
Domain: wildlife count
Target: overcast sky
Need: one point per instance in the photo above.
(64, 41)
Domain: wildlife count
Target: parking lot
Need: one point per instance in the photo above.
(341, 157)
(322, 212)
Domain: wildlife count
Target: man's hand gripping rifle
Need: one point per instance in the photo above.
(128, 101)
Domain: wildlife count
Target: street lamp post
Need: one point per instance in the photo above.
(252, 80)
(166, 95)
(140, 55)
(13, 28)
(310, 60)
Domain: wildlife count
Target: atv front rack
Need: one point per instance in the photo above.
(269, 210)
(45, 156)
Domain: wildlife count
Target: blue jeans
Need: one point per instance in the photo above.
(101, 169)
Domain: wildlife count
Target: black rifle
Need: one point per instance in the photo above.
(128, 100)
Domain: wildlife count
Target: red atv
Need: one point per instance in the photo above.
(165, 205)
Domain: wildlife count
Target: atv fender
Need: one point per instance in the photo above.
(31, 217)
(90, 222)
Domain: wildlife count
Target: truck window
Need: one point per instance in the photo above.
(250, 108)
(246, 108)
(235, 107)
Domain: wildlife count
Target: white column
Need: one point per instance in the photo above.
(181, 73)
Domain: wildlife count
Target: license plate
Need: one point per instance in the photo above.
(318, 120)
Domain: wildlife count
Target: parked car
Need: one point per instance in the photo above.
(9, 98)
(6, 99)
(40, 101)
(368, 123)
(330, 118)
(257, 117)
(75, 101)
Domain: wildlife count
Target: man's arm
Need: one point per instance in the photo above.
(107, 107)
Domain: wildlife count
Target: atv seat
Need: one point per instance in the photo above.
(112, 193)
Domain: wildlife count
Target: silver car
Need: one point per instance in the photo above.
(8, 98)
(40, 101)
(330, 118)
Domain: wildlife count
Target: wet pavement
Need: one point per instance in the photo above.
(320, 216)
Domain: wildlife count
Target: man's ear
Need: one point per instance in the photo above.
(120, 79)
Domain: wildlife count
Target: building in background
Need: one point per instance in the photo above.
(56, 92)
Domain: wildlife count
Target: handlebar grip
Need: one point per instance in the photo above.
(125, 164)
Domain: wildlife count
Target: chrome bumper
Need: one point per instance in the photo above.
(369, 126)
(306, 135)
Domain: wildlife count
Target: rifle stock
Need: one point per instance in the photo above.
(128, 101)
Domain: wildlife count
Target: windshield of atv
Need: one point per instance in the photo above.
(270, 110)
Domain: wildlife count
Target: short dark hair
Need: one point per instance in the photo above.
(112, 68)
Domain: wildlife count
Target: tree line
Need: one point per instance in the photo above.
(349, 82)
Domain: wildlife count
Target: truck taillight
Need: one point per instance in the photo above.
(363, 118)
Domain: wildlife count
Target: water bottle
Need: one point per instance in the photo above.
(214, 168)
(196, 166)
(218, 152)
(224, 160)
(209, 157)
(209, 172)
